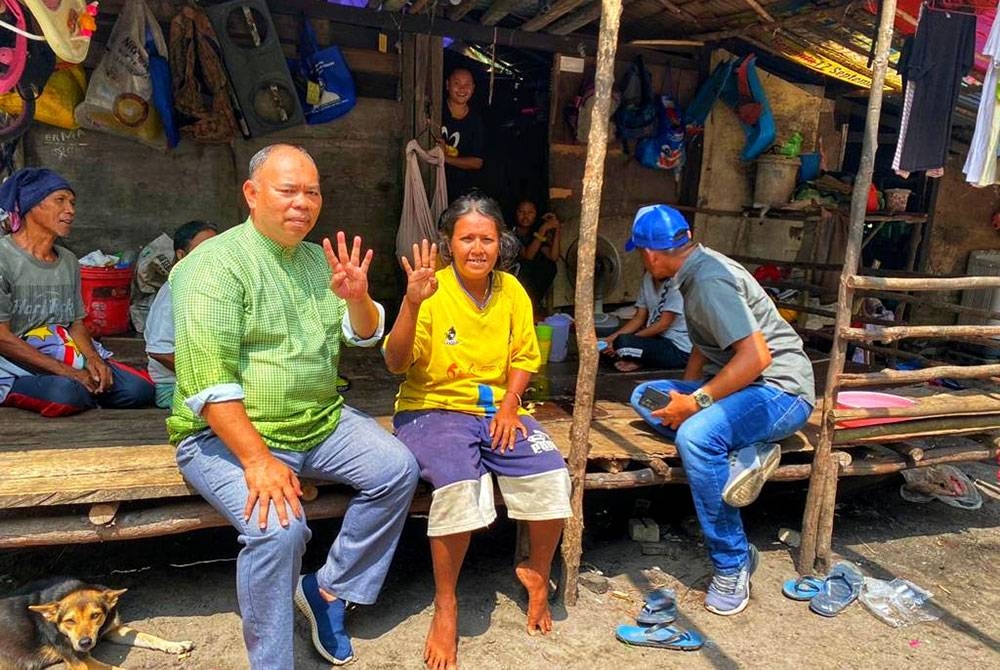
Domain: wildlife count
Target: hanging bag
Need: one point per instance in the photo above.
(64, 90)
(635, 117)
(324, 84)
(120, 97)
(13, 49)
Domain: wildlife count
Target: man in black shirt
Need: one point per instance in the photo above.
(461, 135)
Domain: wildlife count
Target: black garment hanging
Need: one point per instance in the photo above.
(941, 54)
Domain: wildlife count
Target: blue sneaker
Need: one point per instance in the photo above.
(730, 594)
(326, 619)
(749, 468)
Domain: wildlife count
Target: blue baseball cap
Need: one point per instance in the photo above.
(658, 227)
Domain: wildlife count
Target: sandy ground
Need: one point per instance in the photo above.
(183, 588)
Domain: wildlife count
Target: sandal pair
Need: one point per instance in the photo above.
(654, 630)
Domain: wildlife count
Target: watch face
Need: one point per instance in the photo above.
(703, 399)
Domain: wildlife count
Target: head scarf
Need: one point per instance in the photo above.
(26, 188)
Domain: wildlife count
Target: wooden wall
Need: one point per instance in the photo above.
(129, 193)
(627, 184)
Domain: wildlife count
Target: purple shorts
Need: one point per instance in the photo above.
(454, 454)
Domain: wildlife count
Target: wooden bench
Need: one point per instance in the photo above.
(118, 479)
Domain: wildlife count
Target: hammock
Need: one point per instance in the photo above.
(418, 220)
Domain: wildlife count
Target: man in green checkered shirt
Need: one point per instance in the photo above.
(260, 315)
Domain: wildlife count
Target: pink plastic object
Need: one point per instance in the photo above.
(867, 400)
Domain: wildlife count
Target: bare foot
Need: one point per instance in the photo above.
(441, 648)
(626, 366)
(539, 616)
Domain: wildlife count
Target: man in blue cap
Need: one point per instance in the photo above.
(747, 384)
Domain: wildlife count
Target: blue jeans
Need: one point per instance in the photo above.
(54, 395)
(655, 352)
(360, 454)
(756, 414)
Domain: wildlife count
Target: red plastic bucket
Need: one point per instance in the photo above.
(106, 296)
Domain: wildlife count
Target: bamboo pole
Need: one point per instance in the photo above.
(586, 336)
(817, 528)
(891, 333)
(917, 376)
(923, 283)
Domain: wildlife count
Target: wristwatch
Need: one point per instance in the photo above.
(702, 398)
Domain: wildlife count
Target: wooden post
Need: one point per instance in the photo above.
(586, 336)
(817, 523)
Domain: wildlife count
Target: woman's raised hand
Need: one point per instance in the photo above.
(421, 283)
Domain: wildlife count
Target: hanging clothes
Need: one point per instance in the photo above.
(981, 163)
(418, 220)
(941, 54)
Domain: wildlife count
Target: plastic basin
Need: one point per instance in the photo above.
(869, 400)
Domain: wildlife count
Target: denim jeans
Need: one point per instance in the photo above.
(656, 352)
(756, 414)
(360, 454)
(54, 395)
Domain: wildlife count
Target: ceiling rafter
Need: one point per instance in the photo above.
(558, 9)
(841, 9)
(496, 11)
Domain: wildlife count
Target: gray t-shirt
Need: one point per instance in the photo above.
(723, 303)
(159, 334)
(664, 298)
(34, 293)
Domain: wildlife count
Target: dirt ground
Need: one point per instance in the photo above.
(183, 588)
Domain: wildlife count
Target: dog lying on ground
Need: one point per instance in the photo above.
(61, 620)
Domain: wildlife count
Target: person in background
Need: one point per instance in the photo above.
(465, 339)
(49, 363)
(747, 384)
(540, 249)
(656, 336)
(159, 333)
(462, 135)
(260, 317)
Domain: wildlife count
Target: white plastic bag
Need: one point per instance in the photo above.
(153, 265)
(120, 96)
(898, 603)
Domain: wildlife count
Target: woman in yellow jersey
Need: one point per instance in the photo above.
(465, 339)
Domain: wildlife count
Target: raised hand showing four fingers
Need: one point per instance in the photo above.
(420, 280)
(350, 270)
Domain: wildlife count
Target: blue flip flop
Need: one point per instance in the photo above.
(660, 607)
(840, 588)
(803, 588)
(662, 636)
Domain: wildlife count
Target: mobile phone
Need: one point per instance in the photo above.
(653, 399)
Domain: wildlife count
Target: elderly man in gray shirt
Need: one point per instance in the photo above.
(747, 384)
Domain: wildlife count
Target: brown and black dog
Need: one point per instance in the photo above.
(60, 621)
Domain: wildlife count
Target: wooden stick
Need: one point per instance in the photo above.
(892, 333)
(180, 517)
(817, 527)
(924, 283)
(912, 454)
(593, 182)
(851, 379)
(761, 12)
(893, 432)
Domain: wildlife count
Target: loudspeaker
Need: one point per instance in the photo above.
(256, 65)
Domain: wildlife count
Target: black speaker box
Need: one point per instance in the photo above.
(256, 66)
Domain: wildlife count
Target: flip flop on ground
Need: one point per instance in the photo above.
(662, 636)
(840, 588)
(660, 607)
(803, 588)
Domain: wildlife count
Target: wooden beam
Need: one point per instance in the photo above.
(586, 338)
(666, 43)
(842, 8)
(680, 11)
(458, 12)
(577, 20)
(922, 283)
(424, 23)
(893, 333)
(558, 9)
(761, 12)
(498, 10)
(852, 379)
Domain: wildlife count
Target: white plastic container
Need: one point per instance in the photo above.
(560, 336)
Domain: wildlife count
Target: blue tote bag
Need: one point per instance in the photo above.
(324, 84)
